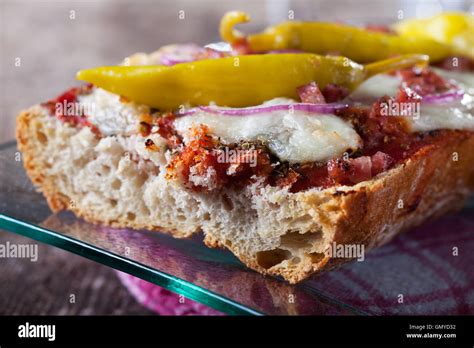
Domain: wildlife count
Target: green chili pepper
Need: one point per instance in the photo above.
(358, 44)
(236, 81)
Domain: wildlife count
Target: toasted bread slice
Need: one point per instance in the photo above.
(270, 229)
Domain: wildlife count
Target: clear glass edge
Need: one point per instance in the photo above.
(235, 309)
(89, 251)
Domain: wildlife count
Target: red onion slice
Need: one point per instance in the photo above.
(309, 107)
(185, 112)
(185, 53)
(306, 107)
(445, 97)
(182, 53)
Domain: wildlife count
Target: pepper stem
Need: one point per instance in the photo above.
(226, 27)
(396, 63)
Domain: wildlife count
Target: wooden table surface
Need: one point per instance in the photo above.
(46, 286)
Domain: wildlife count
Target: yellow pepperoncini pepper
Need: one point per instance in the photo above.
(236, 81)
(452, 28)
(358, 44)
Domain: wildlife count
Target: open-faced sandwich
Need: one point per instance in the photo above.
(278, 146)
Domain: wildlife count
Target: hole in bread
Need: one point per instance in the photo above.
(269, 258)
(140, 180)
(80, 162)
(297, 241)
(145, 211)
(105, 169)
(206, 216)
(39, 179)
(315, 257)
(295, 260)
(131, 216)
(274, 206)
(42, 138)
(116, 184)
(113, 202)
(227, 203)
(332, 207)
(299, 221)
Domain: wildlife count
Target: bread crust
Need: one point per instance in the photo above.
(370, 213)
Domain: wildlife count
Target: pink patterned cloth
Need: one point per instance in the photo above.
(427, 271)
(160, 300)
(431, 267)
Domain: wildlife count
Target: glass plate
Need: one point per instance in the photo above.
(215, 277)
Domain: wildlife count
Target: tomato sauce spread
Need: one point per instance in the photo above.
(167, 131)
(201, 158)
(386, 139)
(424, 81)
(66, 108)
(387, 142)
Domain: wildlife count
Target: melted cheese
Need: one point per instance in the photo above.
(110, 115)
(376, 87)
(456, 115)
(463, 79)
(296, 137)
